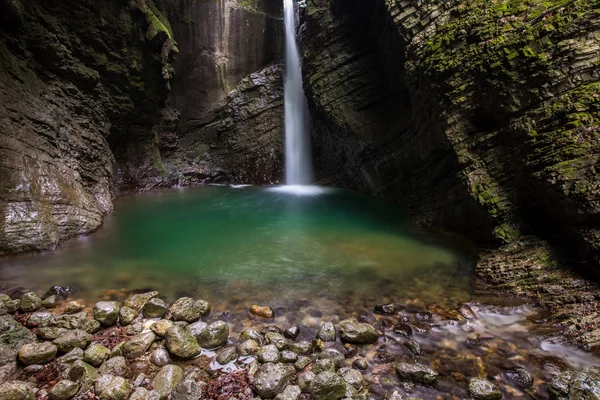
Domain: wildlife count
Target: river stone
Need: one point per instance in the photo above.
(214, 335)
(323, 365)
(16, 390)
(520, 377)
(91, 326)
(71, 321)
(196, 327)
(37, 353)
(51, 301)
(181, 343)
(154, 308)
(189, 310)
(247, 348)
(106, 312)
(114, 366)
(483, 390)
(360, 363)
(355, 332)
(414, 347)
(301, 348)
(327, 332)
(189, 389)
(127, 315)
(291, 392)
(160, 357)
(137, 301)
(30, 302)
(84, 374)
(268, 353)
(579, 385)
(139, 393)
(416, 373)
(138, 344)
(39, 319)
(167, 379)
(72, 339)
(96, 354)
(263, 312)
(64, 390)
(304, 379)
(352, 377)
(161, 327)
(73, 307)
(277, 339)
(50, 333)
(226, 356)
(271, 379)
(64, 363)
(385, 309)
(117, 389)
(292, 332)
(288, 356)
(327, 386)
(302, 363)
(251, 334)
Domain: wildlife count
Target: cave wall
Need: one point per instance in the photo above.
(481, 118)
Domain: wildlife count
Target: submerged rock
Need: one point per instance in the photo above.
(292, 332)
(483, 390)
(520, 376)
(271, 379)
(385, 309)
(416, 373)
(355, 332)
(37, 353)
(263, 312)
(327, 386)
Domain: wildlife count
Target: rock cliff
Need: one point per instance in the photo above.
(480, 117)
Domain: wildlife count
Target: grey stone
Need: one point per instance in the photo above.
(247, 348)
(154, 308)
(84, 374)
(226, 356)
(37, 353)
(189, 389)
(116, 366)
(138, 345)
(167, 379)
(288, 356)
(483, 390)
(271, 379)
(214, 335)
(327, 332)
(352, 377)
(268, 353)
(355, 332)
(181, 343)
(304, 380)
(188, 309)
(64, 390)
(160, 357)
(117, 388)
(96, 354)
(106, 312)
(291, 392)
(72, 339)
(127, 315)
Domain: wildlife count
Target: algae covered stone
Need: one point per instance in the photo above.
(127, 315)
(214, 335)
(37, 353)
(116, 388)
(167, 379)
(137, 301)
(64, 390)
(96, 354)
(189, 310)
(72, 339)
(355, 332)
(138, 344)
(154, 308)
(106, 312)
(271, 379)
(30, 302)
(181, 343)
(483, 390)
(327, 386)
(417, 373)
(16, 390)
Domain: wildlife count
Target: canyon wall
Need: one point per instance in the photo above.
(479, 117)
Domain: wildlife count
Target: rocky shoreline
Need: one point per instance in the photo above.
(141, 347)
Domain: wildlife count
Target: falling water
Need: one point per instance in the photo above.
(298, 169)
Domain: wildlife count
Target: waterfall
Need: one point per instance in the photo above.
(298, 170)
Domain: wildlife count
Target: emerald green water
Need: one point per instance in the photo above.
(252, 245)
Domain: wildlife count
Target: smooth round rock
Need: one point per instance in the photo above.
(226, 356)
(138, 345)
(127, 315)
(154, 308)
(167, 379)
(268, 353)
(161, 327)
(37, 353)
(137, 301)
(160, 357)
(247, 348)
(117, 388)
(352, 377)
(96, 354)
(520, 376)
(64, 390)
(116, 366)
(483, 390)
(214, 335)
(271, 379)
(291, 392)
(106, 312)
(181, 343)
(327, 332)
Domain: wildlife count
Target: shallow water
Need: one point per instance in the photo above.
(271, 245)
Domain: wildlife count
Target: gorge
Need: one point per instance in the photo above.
(463, 240)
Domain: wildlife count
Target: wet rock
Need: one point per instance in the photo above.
(50, 333)
(268, 353)
(483, 390)
(167, 379)
(271, 379)
(181, 343)
(327, 332)
(73, 307)
(214, 335)
(16, 390)
(292, 332)
(161, 327)
(196, 328)
(160, 357)
(141, 393)
(39, 319)
(385, 309)
(226, 356)
(520, 377)
(247, 348)
(154, 308)
(360, 363)
(51, 301)
(71, 321)
(72, 339)
(10, 306)
(277, 339)
(318, 345)
(116, 366)
(106, 312)
(112, 388)
(302, 363)
(327, 386)
(417, 373)
(60, 291)
(84, 374)
(414, 347)
(304, 380)
(352, 377)
(331, 354)
(189, 389)
(355, 332)
(64, 390)
(37, 353)
(300, 348)
(466, 312)
(137, 301)
(291, 392)
(96, 354)
(263, 312)
(323, 365)
(288, 356)
(127, 315)
(189, 310)
(578, 385)
(91, 326)
(64, 363)
(30, 302)
(350, 350)
(251, 334)
(403, 329)
(138, 345)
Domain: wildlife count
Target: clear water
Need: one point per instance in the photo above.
(265, 245)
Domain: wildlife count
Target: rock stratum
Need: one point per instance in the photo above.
(90, 107)
(482, 118)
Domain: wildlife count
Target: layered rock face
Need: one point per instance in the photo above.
(89, 108)
(73, 74)
(482, 118)
(224, 119)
